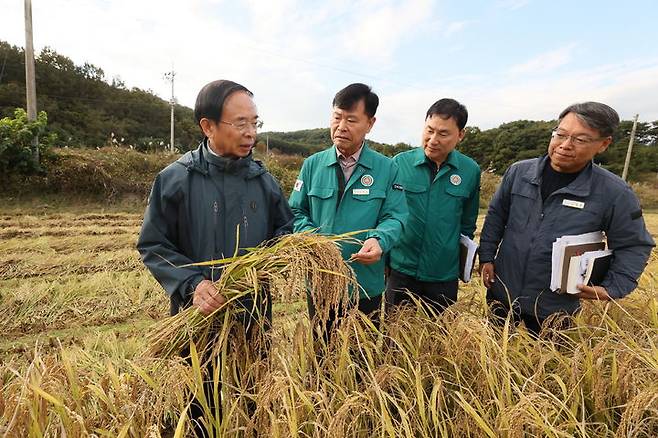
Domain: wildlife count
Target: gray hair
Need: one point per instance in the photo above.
(596, 115)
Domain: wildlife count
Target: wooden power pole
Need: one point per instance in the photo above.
(630, 149)
(30, 83)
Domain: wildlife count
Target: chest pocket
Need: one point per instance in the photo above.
(416, 195)
(579, 220)
(457, 191)
(374, 195)
(414, 189)
(321, 192)
(522, 203)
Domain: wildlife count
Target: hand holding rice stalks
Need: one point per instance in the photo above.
(288, 266)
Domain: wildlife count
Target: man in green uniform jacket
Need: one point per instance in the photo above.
(350, 187)
(442, 188)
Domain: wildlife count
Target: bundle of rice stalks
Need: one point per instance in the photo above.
(289, 267)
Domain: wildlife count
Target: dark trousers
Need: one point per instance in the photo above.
(500, 312)
(533, 324)
(368, 306)
(437, 294)
(253, 320)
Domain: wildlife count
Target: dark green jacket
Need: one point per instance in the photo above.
(373, 200)
(195, 208)
(439, 211)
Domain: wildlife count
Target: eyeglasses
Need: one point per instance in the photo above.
(244, 126)
(576, 141)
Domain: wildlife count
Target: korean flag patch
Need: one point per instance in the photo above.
(298, 185)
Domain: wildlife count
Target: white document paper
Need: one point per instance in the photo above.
(471, 248)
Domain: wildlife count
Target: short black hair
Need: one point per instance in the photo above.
(596, 115)
(352, 94)
(446, 108)
(211, 98)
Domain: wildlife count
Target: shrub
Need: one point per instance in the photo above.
(16, 136)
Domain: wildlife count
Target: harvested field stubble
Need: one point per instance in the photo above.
(421, 375)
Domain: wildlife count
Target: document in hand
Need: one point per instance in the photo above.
(566, 247)
(589, 268)
(467, 252)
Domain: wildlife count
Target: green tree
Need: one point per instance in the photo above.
(16, 136)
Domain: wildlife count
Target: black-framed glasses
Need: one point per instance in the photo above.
(244, 126)
(576, 141)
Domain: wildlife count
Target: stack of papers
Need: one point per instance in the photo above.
(467, 252)
(566, 247)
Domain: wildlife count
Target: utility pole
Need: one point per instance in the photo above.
(267, 144)
(30, 83)
(170, 77)
(630, 149)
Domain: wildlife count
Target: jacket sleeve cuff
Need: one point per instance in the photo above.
(376, 235)
(190, 286)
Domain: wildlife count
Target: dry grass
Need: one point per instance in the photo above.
(450, 375)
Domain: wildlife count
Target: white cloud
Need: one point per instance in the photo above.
(455, 27)
(295, 55)
(512, 5)
(630, 88)
(376, 29)
(545, 62)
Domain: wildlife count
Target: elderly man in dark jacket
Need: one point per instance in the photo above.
(198, 202)
(559, 194)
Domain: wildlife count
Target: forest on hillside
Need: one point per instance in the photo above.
(86, 109)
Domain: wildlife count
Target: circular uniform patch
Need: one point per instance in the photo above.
(455, 180)
(367, 180)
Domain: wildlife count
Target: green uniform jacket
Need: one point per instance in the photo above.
(373, 200)
(438, 212)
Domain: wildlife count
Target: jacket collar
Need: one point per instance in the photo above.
(581, 186)
(366, 159)
(199, 160)
(452, 159)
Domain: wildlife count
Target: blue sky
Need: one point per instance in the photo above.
(504, 59)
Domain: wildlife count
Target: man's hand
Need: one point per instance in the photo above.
(369, 253)
(207, 298)
(488, 274)
(593, 293)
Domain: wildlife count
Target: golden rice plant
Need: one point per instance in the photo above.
(306, 261)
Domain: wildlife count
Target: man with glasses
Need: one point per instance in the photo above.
(199, 202)
(562, 193)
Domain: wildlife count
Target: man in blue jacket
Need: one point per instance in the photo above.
(562, 193)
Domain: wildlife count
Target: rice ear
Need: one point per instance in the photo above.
(287, 266)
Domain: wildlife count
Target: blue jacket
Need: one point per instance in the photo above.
(519, 231)
(195, 208)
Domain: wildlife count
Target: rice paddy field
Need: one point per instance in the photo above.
(77, 306)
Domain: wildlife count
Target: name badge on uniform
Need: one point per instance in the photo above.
(573, 204)
(361, 191)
